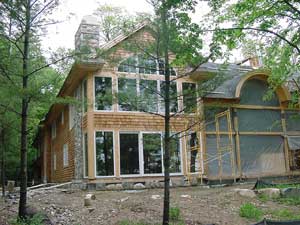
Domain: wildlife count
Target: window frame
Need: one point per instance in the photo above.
(95, 152)
(85, 139)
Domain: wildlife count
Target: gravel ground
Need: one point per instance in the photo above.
(198, 206)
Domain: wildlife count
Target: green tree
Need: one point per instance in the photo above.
(273, 25)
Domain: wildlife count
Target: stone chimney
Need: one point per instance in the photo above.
(87, 37)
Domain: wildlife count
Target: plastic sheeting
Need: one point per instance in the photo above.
(294, 142)
(262, 154)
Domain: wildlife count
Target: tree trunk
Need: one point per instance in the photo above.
(167, 117)
(2, 163)
(24, 117)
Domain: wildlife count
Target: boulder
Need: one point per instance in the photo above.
(91, 196)
(156, 197)
(291, 192)
(245, 193)
(270, 192)
(119, 187)
(100, 186)
(139, 186)
(111, 187)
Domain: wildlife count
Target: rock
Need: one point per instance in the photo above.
(119, 187)
(124, 199)
(270, 192)
(91, 209)
(155, 197)
(87, 201)
(100, 186)
(91, 196)
(290, 192)
(127, 185)
(11, 186)
(110, 187)
(245, 193)
(139, 186)
(185, 196)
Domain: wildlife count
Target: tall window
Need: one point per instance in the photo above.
(173, 96)
(148, 96)
(103, 93)
(85, 154)
(175, 156)
(193, 152)
(129, 153)
(84, 99)
(54, 161)
(66, 155)
(152, 149)
(104, 154)
(72, 114)
(53, 130)
(127, 94)
(189, 97)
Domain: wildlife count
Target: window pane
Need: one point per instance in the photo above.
(127, 94)
(104, 154)
(161, 65)
(84, 96)
(148, 95)
(152, 153)
(175, 159)
(147, 66)
(103, 93)
(128, 65)
(173, 96)
(129, 154)
(86, 159)
(189, 97)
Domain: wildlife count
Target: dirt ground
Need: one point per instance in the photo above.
(197, 206)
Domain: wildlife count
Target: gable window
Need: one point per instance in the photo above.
(189, 97)
(104, 153)
(53, 130)
(66, 155)
(127, 94)
(103, 93)
(144, 65)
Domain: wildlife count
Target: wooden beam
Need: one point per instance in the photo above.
(237, 142)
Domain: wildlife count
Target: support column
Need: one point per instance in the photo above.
(286, 148)
(90, 127)
(237, 142)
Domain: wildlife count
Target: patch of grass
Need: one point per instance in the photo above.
(174, 213)
(128, 222)
(282, 186)
(250, 211)
(289, 201)
(284, 214)
(35, 220)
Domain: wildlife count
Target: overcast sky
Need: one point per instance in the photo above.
(72, 11)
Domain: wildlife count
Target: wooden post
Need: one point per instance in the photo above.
(90, 127)
(286, 148)
(237, 142)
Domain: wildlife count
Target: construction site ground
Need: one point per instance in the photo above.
(197, 206)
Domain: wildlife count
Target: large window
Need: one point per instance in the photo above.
(152, 149)
(103, 93)
(84, 94)
(66, 155)
(127, 94)
(104, 154)
(129, 153)
(189, 97)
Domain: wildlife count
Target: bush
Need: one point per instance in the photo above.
(250, 211)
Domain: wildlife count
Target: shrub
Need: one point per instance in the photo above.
(174, 213)
(37, 219)
(250, 211)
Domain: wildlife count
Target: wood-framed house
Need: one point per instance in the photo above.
(103, 139)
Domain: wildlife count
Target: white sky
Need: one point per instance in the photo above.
(72, 11)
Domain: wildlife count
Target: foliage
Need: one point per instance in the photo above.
(283, 214)
(250, 211)
(174, 213)
(37, 219)
(271, 25)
